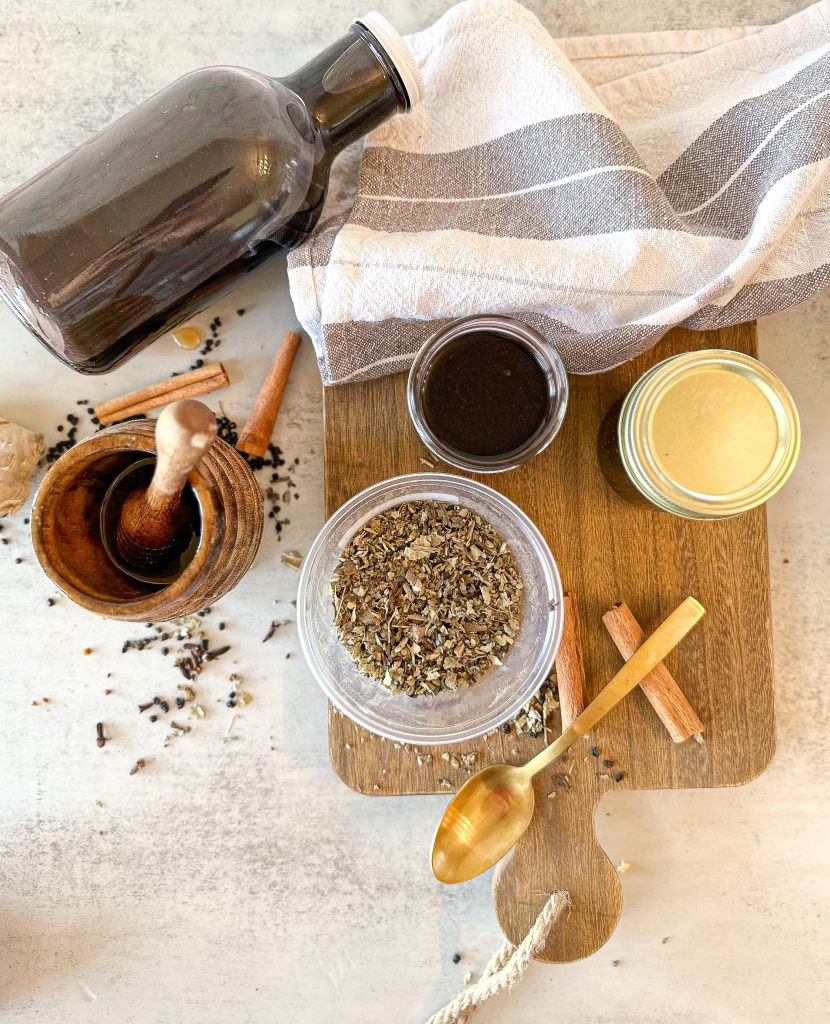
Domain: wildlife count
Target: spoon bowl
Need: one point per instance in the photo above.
(483, 822)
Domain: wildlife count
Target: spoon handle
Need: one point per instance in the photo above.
(653, 650)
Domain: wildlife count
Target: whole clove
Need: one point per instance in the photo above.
(271, 630)
(217, 653)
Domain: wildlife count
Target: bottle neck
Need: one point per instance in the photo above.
(349, 89)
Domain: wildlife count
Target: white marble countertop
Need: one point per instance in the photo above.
(241, 881)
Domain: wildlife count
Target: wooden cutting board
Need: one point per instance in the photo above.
(607, 552)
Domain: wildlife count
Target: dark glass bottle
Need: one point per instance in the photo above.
(149, 221)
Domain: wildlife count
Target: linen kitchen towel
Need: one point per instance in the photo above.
(600, 189)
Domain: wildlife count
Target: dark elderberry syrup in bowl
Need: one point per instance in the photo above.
(487, 393)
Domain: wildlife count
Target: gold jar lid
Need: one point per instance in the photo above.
(709, 434)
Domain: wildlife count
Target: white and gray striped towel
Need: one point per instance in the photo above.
(600, 189)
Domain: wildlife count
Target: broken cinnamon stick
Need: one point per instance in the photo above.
(184, 385)
(570, 668)
(256, 434)
(659, 686)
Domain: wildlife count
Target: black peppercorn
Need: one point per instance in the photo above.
(230, 704)
(456, 958)
(607, 763)
(595, 751)
(180, 703)
(618, 776)
(154, 718)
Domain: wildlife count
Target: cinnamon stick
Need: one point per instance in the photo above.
(659, 686)
(184, 385)
(570, 668)
(256, 434)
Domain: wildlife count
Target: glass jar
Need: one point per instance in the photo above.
(152, 219)
(544, 354)
(703, 435)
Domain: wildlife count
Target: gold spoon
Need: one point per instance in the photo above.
(493, 808)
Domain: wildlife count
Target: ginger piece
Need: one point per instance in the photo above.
(20, 452)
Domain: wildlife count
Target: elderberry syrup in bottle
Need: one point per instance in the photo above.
(149, 221)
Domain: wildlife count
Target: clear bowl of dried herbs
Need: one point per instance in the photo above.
(430, 609)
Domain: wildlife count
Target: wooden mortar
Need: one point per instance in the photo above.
(67, 537)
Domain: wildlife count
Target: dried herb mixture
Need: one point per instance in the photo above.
(427, 597)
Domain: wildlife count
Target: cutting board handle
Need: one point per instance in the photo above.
(560, 850)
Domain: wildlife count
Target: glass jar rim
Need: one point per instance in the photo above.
(647, 473)
(545, 354)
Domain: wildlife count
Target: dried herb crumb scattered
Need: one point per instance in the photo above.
(427, 597)
(140, 763)
(101, 739)
(293, 559)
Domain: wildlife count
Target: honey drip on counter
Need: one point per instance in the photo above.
(187, 337)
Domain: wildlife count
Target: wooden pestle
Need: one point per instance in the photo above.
(256, 434)
(152, 518)
(659, 686)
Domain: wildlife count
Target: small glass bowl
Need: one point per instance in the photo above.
(545, 355)
(452, 716)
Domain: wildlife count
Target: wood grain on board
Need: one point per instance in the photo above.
(607, 551)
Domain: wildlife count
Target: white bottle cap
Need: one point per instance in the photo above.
(398, 53)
